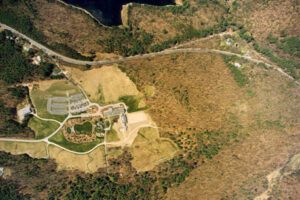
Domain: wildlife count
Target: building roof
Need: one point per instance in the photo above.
(113, 112)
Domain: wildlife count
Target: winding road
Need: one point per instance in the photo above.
(173, 50)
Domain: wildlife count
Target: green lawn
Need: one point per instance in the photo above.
(42, 128)
(132, 102)
(59, 139)
(40, 97)
(85, 128)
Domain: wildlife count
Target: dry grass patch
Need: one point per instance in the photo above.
(148, 149)
(104, 85)
(33, 149)
(69, 161)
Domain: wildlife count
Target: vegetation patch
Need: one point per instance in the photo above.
(289, 66)
(112, 136)
(88, 163)
(33, 149)
(43, 90)
(132, 102)
(149, 145)
(85, 128)
(239, 77)
(59, 139)
(42, 128)
(69, 52)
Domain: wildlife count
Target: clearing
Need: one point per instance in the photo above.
(34, 150)
(60, 139)
(42, 128)
(104, 85)
(69, 161)
(148, 149)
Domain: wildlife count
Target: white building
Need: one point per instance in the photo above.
(238, 65)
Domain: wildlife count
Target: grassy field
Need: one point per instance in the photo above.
(46, 89)
(88, 163)
(112, 136)
(149, 145)
(34, 150)
(42, 128)
(59, 139)
(85, 128)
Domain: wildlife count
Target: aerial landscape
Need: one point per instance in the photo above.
(150, 99)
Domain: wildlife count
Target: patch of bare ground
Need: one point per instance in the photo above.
(198, 92)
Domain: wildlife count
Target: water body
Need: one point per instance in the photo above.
(109, 11)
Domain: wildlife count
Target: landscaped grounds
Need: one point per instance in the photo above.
(42, 128)
(41, 91)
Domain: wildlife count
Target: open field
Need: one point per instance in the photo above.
(136, 120)
(112, 136)
(34, 150)
(41, 91)
(148, 149)
(42, 128)
(88, 163)
(59, 139)
(114, 152)
(104, 85)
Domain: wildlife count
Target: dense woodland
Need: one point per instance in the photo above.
(16, 67)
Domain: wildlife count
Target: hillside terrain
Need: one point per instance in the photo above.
(199, 101)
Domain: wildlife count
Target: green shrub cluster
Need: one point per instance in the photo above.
(286, 64)
(239, 77)
(132, 102)
(17, 20)
(9, 191)
(272, 39)
(85, 128)
(189, 32)
(127, 43)
(68, 51)
(244, 34)
(14, 67)
(290, 45)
